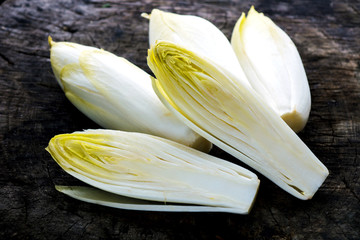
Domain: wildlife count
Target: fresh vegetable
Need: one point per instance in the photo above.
(233, 117)
(146, 167)
(273, 67)
(116, 94)
(100, 197)
(247, 97)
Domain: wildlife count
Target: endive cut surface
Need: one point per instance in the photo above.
(234, 117)
(116, 94)
(196, 34)
(146, 167)
(273, 67)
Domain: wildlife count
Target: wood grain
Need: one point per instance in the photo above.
(33, 109)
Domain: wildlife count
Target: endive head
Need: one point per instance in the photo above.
(196, 34)
(273, 67)
(147, 167)
(116, 94)
(234, 117)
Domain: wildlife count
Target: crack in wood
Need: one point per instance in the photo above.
(276, 222)
(347, 186)
(85, 227)
(6, 59)
(68, 229)
(34, 54)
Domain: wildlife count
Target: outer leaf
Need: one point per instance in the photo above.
(97, 196)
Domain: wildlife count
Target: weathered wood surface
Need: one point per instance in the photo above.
(33, 109)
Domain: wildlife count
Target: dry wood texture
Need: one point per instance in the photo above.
(33, 109)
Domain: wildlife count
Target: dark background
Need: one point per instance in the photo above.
(33, 109)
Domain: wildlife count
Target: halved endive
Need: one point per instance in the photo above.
(116, 94)
(150, 173)
(196, 34)
(233, 117)
(273, 67)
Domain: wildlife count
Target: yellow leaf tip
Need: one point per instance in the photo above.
(253, 11)
(50, 41)
(146, 15)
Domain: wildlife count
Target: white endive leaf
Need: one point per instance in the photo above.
(116, 94)
(273, 67)
(100, 197)
(233, 117)
(146, 167)
(196, 34)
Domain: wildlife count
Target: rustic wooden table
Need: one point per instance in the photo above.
(33, 109)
